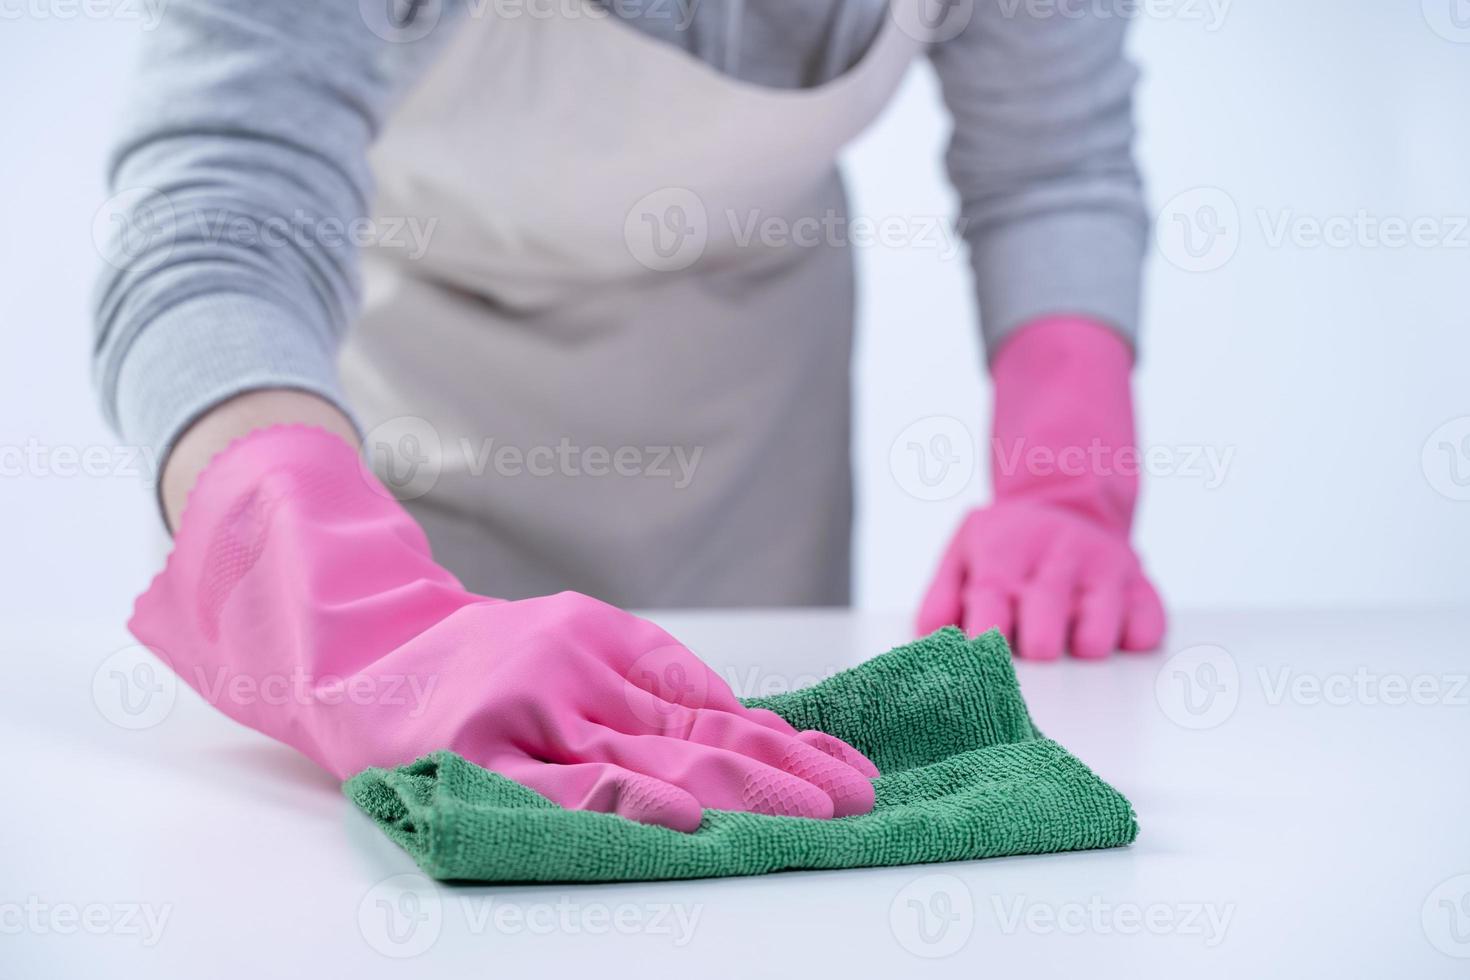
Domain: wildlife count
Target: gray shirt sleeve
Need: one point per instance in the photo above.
(243, 187)
(1050, 198)
(240, 185)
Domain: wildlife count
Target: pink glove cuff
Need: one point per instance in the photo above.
(284, 519)
(1063, 423)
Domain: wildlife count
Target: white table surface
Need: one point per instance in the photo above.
(1308, 819)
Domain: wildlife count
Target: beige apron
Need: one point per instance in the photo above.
(622, 364)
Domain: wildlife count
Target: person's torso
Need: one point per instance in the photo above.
(629, 249)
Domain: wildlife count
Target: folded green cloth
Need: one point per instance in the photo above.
(965, 774)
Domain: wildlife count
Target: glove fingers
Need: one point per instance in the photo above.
(1100, 615)
(720, 779)
(987, 608)
(850, 789)
(838, 749)
(1044, 611)
(607, 788)
(652, 715)
(1146, 618)
(642, 711)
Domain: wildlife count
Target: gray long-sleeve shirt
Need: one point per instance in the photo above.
(252, 120)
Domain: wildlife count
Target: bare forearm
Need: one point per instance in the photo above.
(232, 419)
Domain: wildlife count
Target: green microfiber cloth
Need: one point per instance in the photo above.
(965, 774)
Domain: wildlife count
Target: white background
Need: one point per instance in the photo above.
(1321, 370)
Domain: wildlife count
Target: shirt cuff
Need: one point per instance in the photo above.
(205, 350)
(1083, 264)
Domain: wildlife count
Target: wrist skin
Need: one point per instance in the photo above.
(228, 421)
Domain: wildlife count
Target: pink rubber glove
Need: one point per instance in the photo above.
(1049, 562)
(302, 600)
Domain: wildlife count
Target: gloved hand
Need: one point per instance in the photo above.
(1049, 562)
(302, 600)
